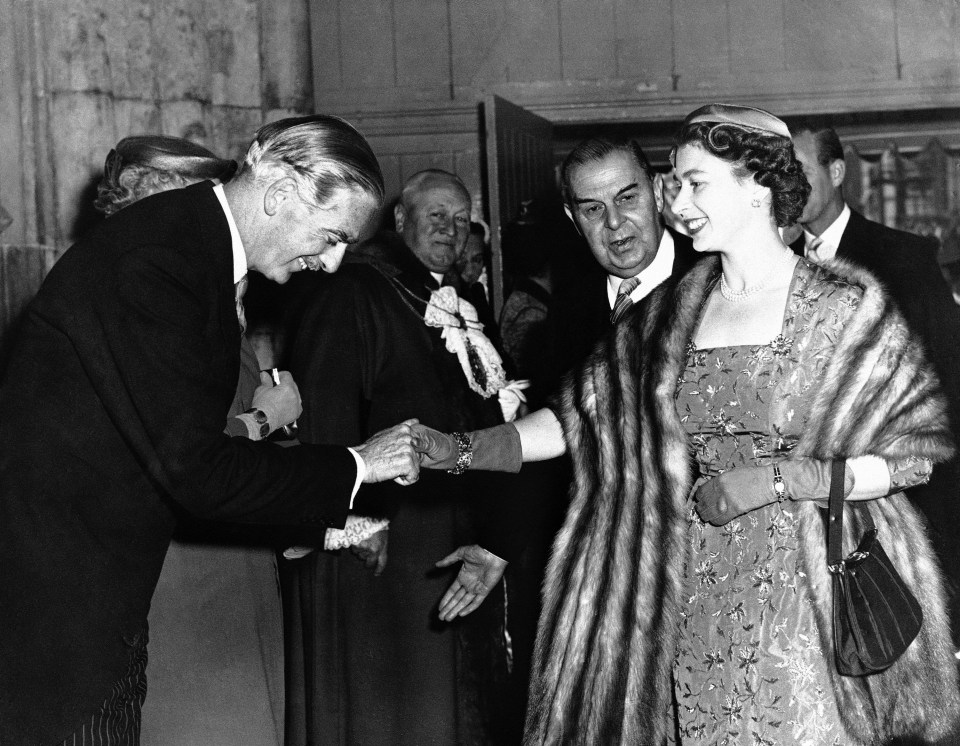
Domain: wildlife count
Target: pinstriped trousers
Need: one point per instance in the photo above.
(117, 722)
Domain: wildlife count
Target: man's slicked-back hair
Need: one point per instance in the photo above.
(422, 179)
(596, 149)
(829, 147)
(321, 153)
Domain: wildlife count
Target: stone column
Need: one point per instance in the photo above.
(286, 67)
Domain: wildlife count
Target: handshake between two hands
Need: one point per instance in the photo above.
(399, 452)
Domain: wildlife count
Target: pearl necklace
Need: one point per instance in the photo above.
(738, 296)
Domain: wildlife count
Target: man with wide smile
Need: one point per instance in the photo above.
(127, 363)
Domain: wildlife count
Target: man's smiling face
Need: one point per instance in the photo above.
(436, 223)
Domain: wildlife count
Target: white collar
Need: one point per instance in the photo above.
(659, 270)
(832, 235)
(239, 255)
(437, 276)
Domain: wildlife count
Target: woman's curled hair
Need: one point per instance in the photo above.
(142, 165)
(767, 157)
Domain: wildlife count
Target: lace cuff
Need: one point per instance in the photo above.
(356, 529)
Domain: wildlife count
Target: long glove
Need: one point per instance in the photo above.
(494, 449)
(737, 491)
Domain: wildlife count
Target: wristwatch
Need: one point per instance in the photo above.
(260, 417)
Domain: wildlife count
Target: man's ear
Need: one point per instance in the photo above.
(838, 170)
(657, 186)
(278, 192)
(399, 216)
(576, 225)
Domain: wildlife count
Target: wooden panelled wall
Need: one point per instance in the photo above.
(568, 56)
(411, 73)
(78, 75)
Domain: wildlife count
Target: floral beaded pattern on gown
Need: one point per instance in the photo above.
(749, 668)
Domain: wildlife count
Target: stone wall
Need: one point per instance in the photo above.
(78, 75)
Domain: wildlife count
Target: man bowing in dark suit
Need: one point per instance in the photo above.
(907, 265)
(615, 200)
(113, 415)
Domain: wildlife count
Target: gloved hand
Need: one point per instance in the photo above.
(494, 449)
(737, 491)
(436, 450)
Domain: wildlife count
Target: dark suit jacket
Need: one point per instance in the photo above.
(907, 265)
(113, 411)
(580, 314)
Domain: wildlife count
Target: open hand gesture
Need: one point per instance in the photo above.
(480, 572)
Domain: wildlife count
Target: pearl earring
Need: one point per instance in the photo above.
(755, 202)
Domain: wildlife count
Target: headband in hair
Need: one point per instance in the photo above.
(745, 117)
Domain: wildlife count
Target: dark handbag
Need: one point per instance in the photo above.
(875, 616)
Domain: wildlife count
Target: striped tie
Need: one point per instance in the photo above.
(810, 250)
(623, 302)
(239, 289)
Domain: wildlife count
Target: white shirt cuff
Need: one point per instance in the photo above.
(361, 474)
(871, 477)
(301, 551)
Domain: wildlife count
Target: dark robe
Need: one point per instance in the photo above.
(368, 660)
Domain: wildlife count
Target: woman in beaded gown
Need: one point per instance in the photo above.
(748, 668)
(693, 605)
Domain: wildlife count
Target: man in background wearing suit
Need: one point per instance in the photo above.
(615, 200)
(113, 411)
(907, 265)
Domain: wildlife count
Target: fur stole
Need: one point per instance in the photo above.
(608, 631)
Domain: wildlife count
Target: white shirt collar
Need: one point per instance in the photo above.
(831, 236)
(239, 255)
(438, 277)
(659, 270)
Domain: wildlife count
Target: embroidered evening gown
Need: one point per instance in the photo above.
(749, 668)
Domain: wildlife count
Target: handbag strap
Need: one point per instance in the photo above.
(835, 511)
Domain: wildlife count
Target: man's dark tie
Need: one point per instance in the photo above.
(239, 289)
(623, 302)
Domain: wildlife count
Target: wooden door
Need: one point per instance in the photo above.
(519, 159)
